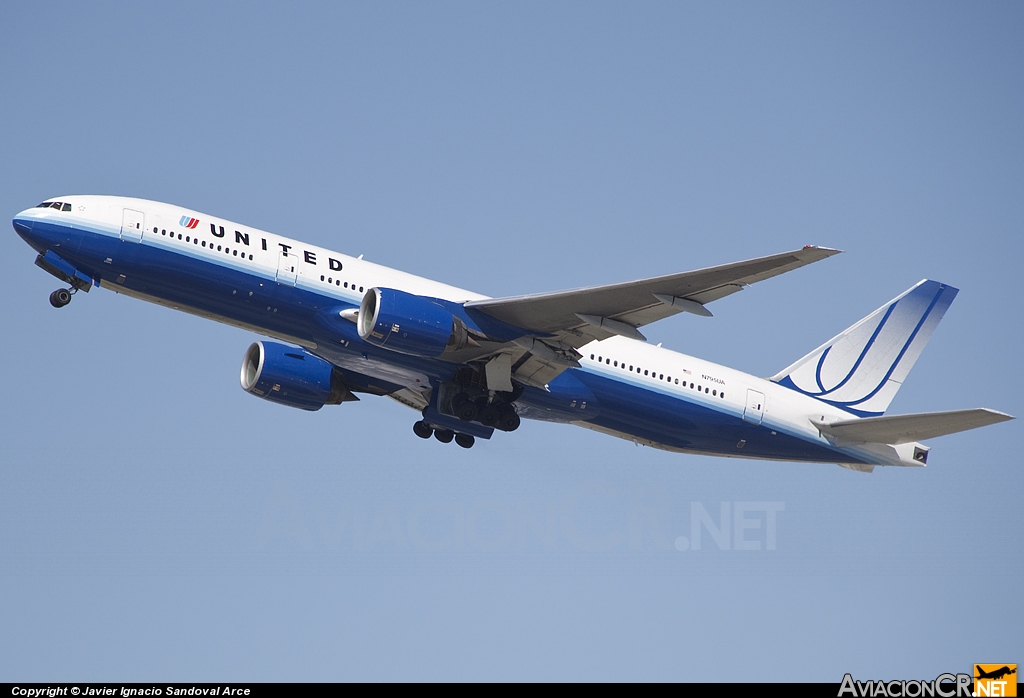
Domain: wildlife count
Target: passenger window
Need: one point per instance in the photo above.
(645, 372)
(591, 357)
(163, 232)
(714, 393)
(616, 364)
(179, 236)
(187, 238)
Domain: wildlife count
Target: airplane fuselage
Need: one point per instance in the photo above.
(296, 292)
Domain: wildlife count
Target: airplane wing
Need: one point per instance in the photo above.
(563, 321)
(906, 428)
(582, 315)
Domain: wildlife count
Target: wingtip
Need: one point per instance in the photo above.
(826, 251)
(1001, 416)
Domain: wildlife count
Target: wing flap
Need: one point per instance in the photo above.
(908, 428)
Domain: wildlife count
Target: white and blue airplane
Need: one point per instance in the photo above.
(471, 365)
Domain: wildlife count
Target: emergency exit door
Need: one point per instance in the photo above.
(754, 411)
(132, 225)
(287, 268)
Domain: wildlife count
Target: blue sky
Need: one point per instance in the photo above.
(157, 523)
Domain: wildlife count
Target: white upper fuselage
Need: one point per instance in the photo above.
(333, 274)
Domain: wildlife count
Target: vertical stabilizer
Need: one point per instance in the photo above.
(861, 369)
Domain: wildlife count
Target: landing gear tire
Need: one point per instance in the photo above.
(60, 298)
(509, 420)
(467, 412)
(422, 430)
(489, 416)
(465, 440)
(445, 436)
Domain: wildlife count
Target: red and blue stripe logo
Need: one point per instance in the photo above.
(188, 222)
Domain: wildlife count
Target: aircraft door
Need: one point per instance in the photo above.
(754, 411)
(287, 268)
(132, 225)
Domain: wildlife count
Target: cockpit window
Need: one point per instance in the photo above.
(59, 205)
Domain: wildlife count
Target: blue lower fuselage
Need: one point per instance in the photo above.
(256, 301)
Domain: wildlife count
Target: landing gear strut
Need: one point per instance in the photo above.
(60, 298)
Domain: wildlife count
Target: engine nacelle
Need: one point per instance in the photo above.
(409, 324)
(291, 376)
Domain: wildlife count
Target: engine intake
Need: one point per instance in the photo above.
(291, 376)
(410, 324)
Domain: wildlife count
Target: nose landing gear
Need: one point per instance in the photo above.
(60, 297)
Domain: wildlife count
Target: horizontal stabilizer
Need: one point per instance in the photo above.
(906, 428)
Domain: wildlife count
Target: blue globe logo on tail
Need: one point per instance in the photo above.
(861, 369)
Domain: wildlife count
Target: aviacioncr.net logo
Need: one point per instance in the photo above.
(995, 680)
(943, 686)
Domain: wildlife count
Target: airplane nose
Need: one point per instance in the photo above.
(22, 226)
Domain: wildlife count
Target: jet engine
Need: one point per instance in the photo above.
(410, 324)
(291, 376)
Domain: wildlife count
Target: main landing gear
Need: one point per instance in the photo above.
(500, 415)
(60, 297)
(445, 436)
(467, 398)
